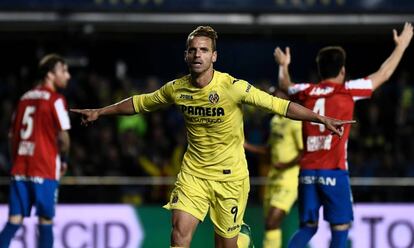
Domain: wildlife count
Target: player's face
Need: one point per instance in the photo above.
(61, 75)
(200, 55)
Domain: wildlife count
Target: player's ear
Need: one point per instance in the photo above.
(50, 75)
(214, 58)
(343, 71)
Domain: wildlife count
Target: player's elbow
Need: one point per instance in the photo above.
(386, 75)
(379, 78)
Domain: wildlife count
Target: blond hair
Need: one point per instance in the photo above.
(205, 31)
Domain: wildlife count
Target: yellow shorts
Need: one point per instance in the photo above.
(225, 200)
(281, 196)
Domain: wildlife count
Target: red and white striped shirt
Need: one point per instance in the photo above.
(40, 115)
(322, 150)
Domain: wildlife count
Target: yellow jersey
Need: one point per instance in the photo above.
(214, 121)
(285, 143)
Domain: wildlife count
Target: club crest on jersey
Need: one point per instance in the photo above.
(213, 97)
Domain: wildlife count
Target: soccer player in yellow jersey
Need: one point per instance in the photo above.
(285, 148)
(214, 175)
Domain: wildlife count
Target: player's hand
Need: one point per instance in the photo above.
(404, 38)
(87, 115)
(335, 125)
(282, 58)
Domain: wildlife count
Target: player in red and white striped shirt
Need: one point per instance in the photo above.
(323, 178)
(39, 145)
(324, 150)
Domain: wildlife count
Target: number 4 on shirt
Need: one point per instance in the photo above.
(319, 108)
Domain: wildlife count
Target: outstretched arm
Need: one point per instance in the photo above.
(298, 112)
(283, 107)
(124, 107)
(283, 59)
(390, 64)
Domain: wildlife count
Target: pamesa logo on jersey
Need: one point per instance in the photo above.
(201, 111)
(213, 97)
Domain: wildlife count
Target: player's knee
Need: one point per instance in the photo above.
(341, 227)
(180, 237)
(273, 223)
(310, 224)
(45, 221)
(16, 219)
(274, 218)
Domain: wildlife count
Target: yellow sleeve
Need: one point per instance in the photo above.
(153, 101)
(247, 93)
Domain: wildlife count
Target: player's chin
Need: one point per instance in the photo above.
(63, 84)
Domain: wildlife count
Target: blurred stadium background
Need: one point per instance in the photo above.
(121, 169)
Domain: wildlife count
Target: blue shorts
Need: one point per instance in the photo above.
(328, 188)
(26, 192)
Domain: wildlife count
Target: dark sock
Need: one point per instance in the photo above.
(339, 239)
(301, 238)
(7, 234)
(45, 236)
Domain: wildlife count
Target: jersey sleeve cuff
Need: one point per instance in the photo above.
(135, 101)
(285, 106)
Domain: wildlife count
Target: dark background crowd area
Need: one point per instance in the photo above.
(108, 68)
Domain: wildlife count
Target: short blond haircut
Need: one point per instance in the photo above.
(205, 31)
